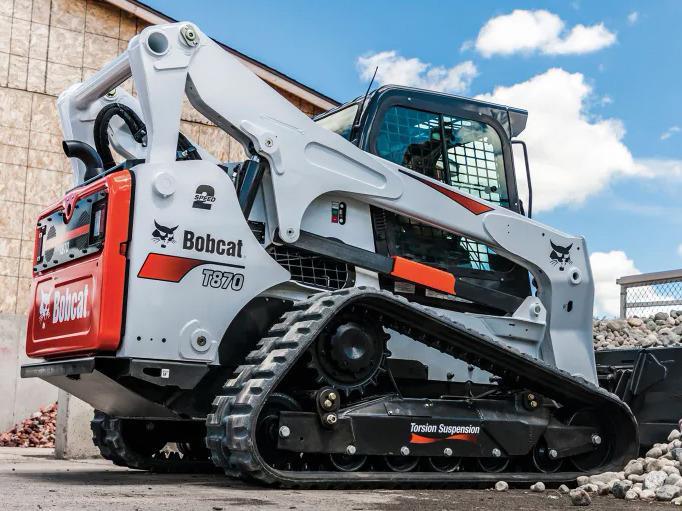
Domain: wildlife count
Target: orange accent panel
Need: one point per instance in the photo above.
(423, 274)
(167, 267)
(463, 437)
(77, 307)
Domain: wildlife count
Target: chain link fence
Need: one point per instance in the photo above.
(648, 293)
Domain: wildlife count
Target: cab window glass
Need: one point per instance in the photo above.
(413, 139)
(418, 140)
(340, 122)
(475, 159)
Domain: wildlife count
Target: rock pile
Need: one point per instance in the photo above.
(36, 431)
(653, 477)
(661, 329)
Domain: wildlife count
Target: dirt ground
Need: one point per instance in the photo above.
(31, 479)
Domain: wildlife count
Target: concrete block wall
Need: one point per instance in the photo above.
(18, 397)
(45, 46)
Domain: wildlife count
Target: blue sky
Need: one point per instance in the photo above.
(627, 86)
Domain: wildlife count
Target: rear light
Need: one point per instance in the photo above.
(98, 221)
(40, 237)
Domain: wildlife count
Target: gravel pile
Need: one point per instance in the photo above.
(36, 431)
(661, 329)
(655, 477)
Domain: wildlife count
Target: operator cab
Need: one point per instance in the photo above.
(462, 142)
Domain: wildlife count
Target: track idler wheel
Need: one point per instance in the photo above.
(602, 447)
(444, 464)
(401, 463)
(347, 462)
(268, 431)
(543, 460)
(493, 465)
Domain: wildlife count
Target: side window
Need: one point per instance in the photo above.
(475, 160)
(340, 122)
(413, 139)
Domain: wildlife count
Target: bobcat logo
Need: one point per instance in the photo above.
(44, 310)
(560, 256)
(163, 234)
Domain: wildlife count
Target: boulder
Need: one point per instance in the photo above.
(654, 479)
(605, 477)
(631, 495)
(647, 495)
(620, 488)
(579, 497)
(634, 467)
(501, 486)
(538, 487)
(668, 492)
(673, 478)
(676, 453)
(654, 452)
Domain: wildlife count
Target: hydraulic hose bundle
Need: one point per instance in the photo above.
(185, 150)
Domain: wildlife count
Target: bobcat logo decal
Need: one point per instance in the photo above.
(163, 234)
(44, 310)
(560, 256)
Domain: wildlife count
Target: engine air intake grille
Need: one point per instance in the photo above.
(313, 269)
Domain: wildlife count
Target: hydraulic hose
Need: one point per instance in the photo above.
(185, 149)
(101, 134)
(85, 153)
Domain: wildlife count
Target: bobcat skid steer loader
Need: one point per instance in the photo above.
(361, 301)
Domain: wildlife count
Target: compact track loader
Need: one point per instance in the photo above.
(362, 300)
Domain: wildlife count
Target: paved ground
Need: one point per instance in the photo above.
(31, 479)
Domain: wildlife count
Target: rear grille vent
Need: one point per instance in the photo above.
(312, 269)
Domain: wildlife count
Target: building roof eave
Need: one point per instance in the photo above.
(265, 72)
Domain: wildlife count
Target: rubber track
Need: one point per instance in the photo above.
(231, 426)
(107, 437)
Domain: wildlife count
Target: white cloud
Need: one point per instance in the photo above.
(659, 167)
(606, 268)
(679, 250)
(572, 155)
(398, 70)
(670, 132)
(633, 17)
(524, 31)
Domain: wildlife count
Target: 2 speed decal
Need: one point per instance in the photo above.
(222, 279)
(204, 197)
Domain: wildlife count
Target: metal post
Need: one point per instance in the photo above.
(623, 301)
